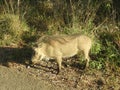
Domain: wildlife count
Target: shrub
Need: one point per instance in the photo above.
(109, 50)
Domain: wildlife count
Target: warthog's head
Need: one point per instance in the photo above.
(34, 56)
(38, 54)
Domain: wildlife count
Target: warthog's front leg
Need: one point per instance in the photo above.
(35, 59)
(59, 61)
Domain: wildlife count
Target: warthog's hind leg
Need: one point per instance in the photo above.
(86, 53)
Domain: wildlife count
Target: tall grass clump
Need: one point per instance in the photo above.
(11, 29)
(13, 25)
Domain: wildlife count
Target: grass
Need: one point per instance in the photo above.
(11, 29)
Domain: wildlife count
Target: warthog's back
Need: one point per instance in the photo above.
(61, 39)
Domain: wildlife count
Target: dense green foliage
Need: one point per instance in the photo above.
(23, 21)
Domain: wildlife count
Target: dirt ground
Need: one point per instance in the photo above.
(44, 77)
(18, 76)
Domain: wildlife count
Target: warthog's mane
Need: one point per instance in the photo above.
(62, 39)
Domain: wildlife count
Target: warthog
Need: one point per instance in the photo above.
(58, 47)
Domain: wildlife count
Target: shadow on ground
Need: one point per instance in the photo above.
(24, 55)
(17, 55)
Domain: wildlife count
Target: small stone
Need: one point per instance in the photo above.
(28, 67)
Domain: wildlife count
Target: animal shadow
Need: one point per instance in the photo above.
(17, 55)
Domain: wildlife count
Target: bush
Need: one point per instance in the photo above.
(109, 49)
